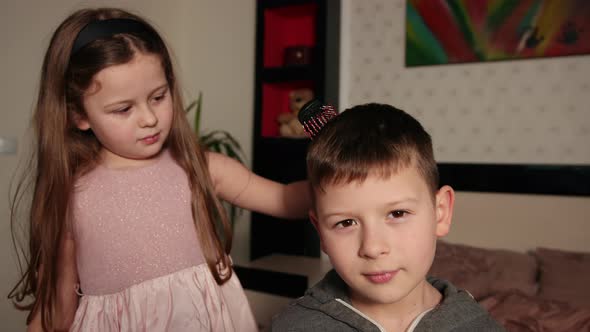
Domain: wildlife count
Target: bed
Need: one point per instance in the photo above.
(543, 289)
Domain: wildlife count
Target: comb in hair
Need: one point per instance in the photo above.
(314, 116)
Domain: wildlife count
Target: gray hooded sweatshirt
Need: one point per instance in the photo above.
(327, 307)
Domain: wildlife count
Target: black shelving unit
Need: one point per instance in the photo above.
(288, 74)
(281, 24)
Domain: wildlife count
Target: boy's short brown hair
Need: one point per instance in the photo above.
(370, 139)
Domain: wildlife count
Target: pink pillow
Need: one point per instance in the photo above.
(565, 276)
(484, 271)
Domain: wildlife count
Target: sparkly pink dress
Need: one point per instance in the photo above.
(139, 261)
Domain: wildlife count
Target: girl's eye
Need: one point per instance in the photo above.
(122, 110)
(161, 96)
(345, 223)
(397, 214)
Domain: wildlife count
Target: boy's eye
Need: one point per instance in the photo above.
(396, 214)
(345, 223)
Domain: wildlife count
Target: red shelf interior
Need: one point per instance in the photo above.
(275, 100)
(288, 26)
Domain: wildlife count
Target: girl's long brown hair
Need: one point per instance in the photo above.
(63, 153)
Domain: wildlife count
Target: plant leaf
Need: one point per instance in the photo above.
(214, 146)
(226, 138)
(231, 153)
(208, 136)
(190, 106)
(233, 140)
(199, 104)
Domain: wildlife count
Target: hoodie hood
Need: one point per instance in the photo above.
(456, 311)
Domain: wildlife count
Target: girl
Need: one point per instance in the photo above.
(126, 227)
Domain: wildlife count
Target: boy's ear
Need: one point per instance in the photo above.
(444, 203)
(313, 218)
(314, 221)
(81, 121)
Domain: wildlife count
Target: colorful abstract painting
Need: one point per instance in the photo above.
(457, 31)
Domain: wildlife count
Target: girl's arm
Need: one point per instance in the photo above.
(67, 283)
(236, 184)
(67, 299)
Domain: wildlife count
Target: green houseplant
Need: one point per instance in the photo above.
(219, 141)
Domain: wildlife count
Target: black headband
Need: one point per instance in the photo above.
(106, 28)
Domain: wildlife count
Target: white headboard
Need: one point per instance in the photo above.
(521, 222)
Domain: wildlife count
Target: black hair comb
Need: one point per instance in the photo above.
(314, 115)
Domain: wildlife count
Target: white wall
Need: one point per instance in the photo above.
(213, 42)
(526, 111)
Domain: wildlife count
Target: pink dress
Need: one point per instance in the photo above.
(139, 261)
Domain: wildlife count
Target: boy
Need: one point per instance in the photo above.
(379, 211)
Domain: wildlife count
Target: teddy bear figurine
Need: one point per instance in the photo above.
(289, 125)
